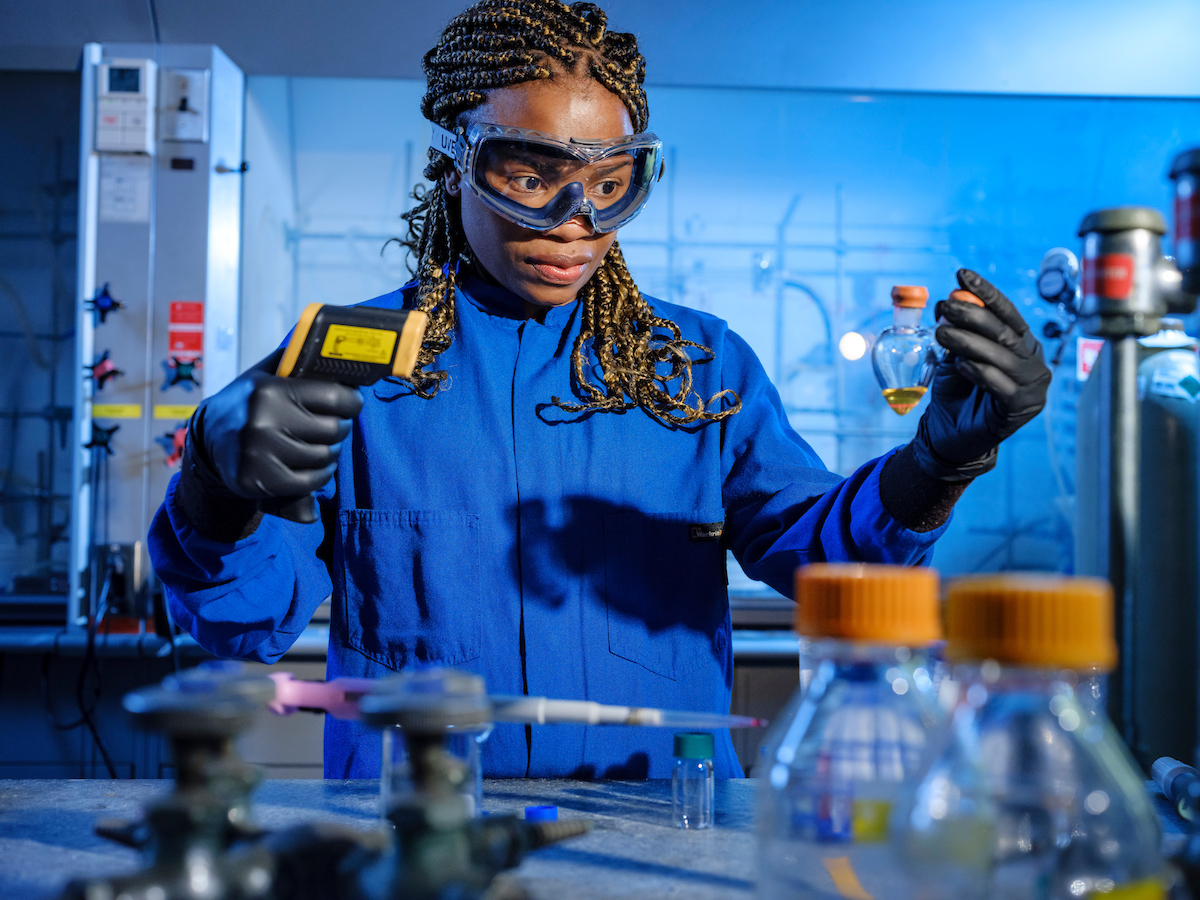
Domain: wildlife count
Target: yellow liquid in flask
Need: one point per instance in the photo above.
(902, 400)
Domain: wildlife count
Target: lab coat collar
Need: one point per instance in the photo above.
(500, 301)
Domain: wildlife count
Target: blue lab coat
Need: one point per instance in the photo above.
(578, 556)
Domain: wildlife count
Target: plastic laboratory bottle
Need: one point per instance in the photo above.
(905, 354)
(1030, 793)
(692, 780)
(834, 761)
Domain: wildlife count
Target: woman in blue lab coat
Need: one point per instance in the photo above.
(547, 502)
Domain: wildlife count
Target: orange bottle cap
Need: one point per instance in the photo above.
(912, 296)
(1043, 621)
(966, 297)
(870, 603)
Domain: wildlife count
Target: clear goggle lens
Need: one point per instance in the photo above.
(533, 175)
(541, 180)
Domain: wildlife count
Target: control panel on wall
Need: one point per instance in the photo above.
(125, 102)
(183, 115)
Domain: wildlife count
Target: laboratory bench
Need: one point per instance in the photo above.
(46, 836)
(633, 851)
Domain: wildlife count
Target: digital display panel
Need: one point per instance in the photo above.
(124, 81)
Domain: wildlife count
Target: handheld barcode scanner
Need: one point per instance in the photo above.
(353, 345)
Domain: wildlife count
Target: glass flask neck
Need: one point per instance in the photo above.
(907, 316)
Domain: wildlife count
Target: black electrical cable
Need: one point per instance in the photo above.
(154, 21)
(90, 659)
(91, 664)
(49, 713)
(1065, 336)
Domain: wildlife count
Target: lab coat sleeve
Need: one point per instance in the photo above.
(783, 507)
(249, 599)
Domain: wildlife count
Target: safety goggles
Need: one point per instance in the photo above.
(540, 181)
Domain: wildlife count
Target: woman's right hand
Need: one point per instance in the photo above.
(263, 436)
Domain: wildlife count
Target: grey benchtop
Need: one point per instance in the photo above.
(46, 834)
(634, 851)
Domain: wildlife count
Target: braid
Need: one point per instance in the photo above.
(498, 43)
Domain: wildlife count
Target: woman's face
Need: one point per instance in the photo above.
(544, 268)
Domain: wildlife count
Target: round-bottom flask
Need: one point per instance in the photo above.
(905, 354)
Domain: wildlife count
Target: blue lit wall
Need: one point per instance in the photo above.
(790, 213)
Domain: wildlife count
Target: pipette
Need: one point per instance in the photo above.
(544, 711)
(340, 699)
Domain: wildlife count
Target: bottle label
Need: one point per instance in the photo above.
(1167, 383)
(836, 816)
(1146, 889)
(869, 820)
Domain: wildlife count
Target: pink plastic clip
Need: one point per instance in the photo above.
(339, 697)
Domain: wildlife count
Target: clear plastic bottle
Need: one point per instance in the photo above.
(1031, 793)
(905, 354)
(692, 780)
(835, 759)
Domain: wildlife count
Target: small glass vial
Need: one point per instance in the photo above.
(692, 780)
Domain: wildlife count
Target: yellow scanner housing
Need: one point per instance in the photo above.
(353, 344)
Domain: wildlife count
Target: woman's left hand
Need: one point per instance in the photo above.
(992, 381)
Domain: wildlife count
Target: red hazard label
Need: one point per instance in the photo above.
(186, 312)
(186, 342)
(1108, 275)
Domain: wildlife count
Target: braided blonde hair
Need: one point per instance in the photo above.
(499, 43)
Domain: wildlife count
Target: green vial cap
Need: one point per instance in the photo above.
(694, 745)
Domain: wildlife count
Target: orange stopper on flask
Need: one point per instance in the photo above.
(966, 297)
(910, 296)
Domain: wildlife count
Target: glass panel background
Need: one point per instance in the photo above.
(788, 213)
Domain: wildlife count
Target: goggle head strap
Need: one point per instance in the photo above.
(448, 144)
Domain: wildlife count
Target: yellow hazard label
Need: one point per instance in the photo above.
(173, 410)
(369, 345)
(869, 820)
(1146, 889)
(116, 411)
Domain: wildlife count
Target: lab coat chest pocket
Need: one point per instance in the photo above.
(411, 585)
(668, 609)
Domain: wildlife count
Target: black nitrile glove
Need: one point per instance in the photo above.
(260, 442)
(992, 381)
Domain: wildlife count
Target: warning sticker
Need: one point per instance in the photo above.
(369, 345)
(174, 410)
(1168, 384)
(116, 411)
(1086, 352)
